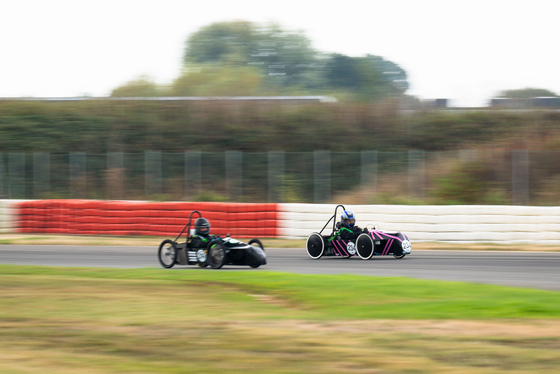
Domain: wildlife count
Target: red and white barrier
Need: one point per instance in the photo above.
(98, 217)
(8, 214)
(434, 223)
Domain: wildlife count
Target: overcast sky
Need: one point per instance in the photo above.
(463, 50)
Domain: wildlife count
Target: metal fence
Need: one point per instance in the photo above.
(521, 177)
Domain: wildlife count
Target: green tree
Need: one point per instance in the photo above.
(222, 42)
(218, 81)
(243, 58)
(284, 58)
(370, 77)
(393, 74)
(343, 72)
(140, 87)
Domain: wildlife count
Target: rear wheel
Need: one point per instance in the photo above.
(364, 246)
(167, 253)
(315, 246)
(216, 255)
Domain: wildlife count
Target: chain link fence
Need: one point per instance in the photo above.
(518, 177)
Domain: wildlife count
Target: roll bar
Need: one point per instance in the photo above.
(188, 225)
(333, 218)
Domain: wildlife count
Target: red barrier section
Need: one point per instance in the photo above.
(124, 218)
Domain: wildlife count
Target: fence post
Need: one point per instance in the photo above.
(152, 172)
(416, 174)
(3, 179)
(41, 174)
(16, 176)
(520, 177)
(78, 178)
(322, 176)
(193, 174)
(276, 174)
(115, 176)
(234, 174)
(368, 175)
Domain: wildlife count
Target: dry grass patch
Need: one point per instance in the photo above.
(64, 320)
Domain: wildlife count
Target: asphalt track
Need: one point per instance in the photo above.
(539, 270)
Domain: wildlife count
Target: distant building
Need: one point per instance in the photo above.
(435, 103)
(528, 103)
(545, 102)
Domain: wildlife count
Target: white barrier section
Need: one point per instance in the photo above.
(433, 223)
(8, 215)
(422, 223)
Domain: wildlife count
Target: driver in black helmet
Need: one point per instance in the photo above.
(347, 226)
(201, 236)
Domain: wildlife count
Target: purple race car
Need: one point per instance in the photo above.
(368, 244)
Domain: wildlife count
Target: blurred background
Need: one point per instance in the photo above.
(256, 113)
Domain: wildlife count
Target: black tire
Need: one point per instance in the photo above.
(315, 246)
(364, 246)
(398, 257)
(167, 253)
(257, 242)
(216, 255)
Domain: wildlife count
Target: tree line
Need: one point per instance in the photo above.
(245, 59)
(241, 58)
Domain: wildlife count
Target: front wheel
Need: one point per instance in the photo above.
(216, 255)
(167, 253)
(365, 246)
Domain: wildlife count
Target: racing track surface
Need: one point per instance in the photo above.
(540, 270)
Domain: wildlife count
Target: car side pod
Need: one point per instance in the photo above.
(315, 246)
(255, 254)
(405, 245)
(365, 246)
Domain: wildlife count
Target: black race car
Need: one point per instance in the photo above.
(216, 253)
(370, 243)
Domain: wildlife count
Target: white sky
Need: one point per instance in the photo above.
(463, 50)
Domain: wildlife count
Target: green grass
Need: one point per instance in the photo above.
(334, 296)
(91, 320)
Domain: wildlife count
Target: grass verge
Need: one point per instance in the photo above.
(84, 320)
